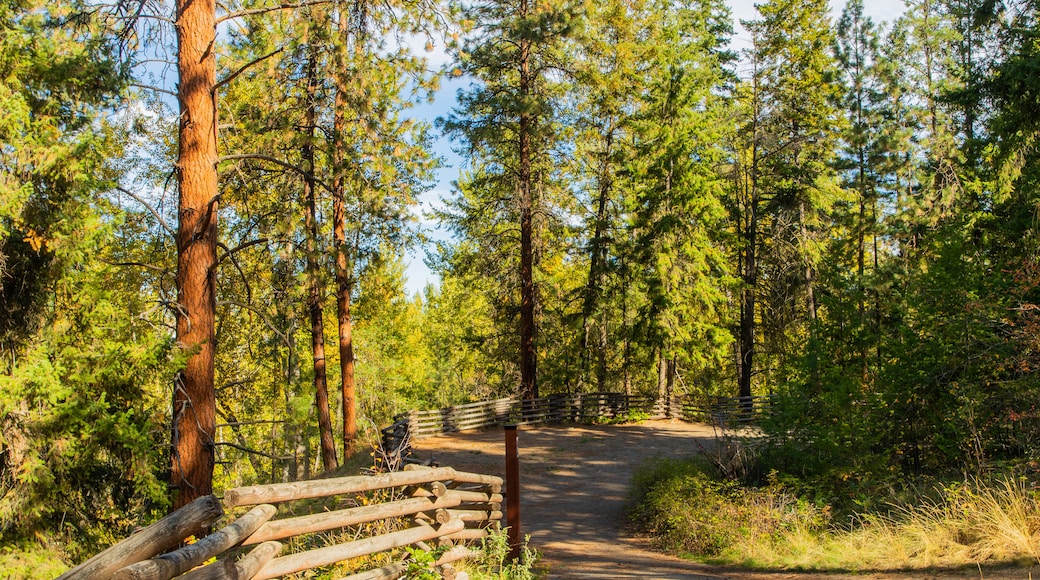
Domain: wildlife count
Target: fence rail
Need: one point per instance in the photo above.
(443, 505)
(723, 412)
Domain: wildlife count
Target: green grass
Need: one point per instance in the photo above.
(972, 523)
(31, 559)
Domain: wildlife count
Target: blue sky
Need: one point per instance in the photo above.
(416, 271)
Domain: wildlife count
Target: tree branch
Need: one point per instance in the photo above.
(154, 212)
(151, 267)
(242, 69)
(278, 162)
(251, 451)
(282, 6)
(240, 247)
(156, 89)
(256, 311)
(151, 60)
(228, 254)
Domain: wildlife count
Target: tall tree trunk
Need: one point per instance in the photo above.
(601, 355)
(597, 257)
(626, 363)
(350, 28)
(749, 272)
(314, 293)
(862, 242)
(528, 329)
(807, 273)
(749, 276)
(662, 375)
(194, 399)
(665, 376)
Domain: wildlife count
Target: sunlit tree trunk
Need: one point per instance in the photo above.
(314, 293)
(344, 275)
(194, 400)
(528, 330)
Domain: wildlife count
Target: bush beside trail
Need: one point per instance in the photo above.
(684, 508)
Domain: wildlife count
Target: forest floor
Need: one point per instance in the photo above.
(573, 484)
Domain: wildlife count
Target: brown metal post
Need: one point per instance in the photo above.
(513, 493)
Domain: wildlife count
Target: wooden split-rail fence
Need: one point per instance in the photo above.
(723, 412)
(440, 505)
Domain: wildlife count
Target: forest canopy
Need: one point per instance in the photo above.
(205, 212)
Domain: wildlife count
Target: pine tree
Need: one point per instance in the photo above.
(80, 377)
(792, 138)
(507, 124)
(676, 207)
(194, 398)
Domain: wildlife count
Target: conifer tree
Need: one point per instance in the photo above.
(606, 86)
(80, 360)
(194, 398)
(676, 207)
(792, 134)
(507, 124)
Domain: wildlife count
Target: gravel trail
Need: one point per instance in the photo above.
(573, 486)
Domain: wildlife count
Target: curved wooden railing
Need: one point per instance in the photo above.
(414, 506)
(723, 412)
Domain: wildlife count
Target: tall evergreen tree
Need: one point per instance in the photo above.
(676, 208)
(792, 137)
(508, 124)
(80, 377)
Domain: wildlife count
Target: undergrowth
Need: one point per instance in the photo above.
(685, 508)
(622, 418)
(494, 563)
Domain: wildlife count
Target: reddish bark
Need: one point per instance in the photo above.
(314, 293)
(528, 329)
(194, 400)
(339, 218)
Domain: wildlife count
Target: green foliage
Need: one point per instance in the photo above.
(971, 524)
(421, 562)
(81, 398)
(31, 559)
(686, 510)
(874, 187)
(495, 564)
(676, 201)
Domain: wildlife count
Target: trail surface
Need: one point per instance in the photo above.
(573, 485)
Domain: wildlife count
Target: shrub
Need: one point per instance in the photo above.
(685, 510)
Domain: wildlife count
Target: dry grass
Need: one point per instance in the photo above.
(968, 524)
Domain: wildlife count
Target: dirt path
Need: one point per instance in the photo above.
(573, 484)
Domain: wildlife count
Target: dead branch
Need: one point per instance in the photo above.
(154, 212)
(282, 6)
(278, 162)
(243, 68)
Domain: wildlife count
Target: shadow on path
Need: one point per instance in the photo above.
(573, 485)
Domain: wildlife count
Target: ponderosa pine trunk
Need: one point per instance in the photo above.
(528, 329)
(339, 218)
(194, 399)
(314, 293)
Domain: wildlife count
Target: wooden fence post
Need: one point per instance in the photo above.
(513, 492)
(190, 519)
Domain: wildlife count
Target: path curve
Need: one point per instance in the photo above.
(573, 485)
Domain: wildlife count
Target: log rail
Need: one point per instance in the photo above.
(723, 412)
(443, 505)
